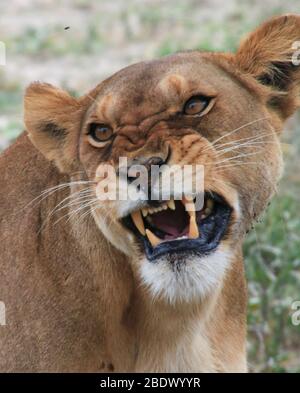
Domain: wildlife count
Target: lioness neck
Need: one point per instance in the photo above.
(150, 334)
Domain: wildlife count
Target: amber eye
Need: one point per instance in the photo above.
(196, 105)
(100, 132)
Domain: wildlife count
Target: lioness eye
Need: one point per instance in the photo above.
(196, 105)
(100, 132)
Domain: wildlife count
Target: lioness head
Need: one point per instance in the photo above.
(223, 112)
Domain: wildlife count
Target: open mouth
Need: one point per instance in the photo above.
(175, 226)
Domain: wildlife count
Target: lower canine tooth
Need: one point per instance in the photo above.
(207, 211)
(153, 239)
(193, 230)
(210, 204)
(138, 221)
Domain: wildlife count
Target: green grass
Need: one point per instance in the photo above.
(272, 260)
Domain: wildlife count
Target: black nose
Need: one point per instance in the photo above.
(147, 163)
(159, 161)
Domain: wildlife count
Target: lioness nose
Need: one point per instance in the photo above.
(159, 161)
(147, 163)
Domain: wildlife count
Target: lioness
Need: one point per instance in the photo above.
(142, 285)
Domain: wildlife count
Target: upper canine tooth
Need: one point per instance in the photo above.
(144, 212)
(188, 198)
(153, 239)
(138, 221)
(189, 205)
(171, 204)
(193, 229)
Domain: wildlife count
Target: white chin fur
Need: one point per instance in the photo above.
(193, 279)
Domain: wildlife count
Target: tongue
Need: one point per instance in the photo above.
(174, 223)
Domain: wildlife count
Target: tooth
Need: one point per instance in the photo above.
(138, 221)
(193, 230)
(149, 219)
(171, 204)
(209, 207)
(207, 211)
(210, 204)
(188, 198)
(153, 239)
(189, 206)
(144, 212)
(165, 207)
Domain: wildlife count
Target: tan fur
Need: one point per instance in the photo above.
(72, 288)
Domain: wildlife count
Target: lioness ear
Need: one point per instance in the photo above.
(52, 118)
(269, 54)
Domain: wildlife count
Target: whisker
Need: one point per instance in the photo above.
(58, 207)
(237, 156)
(234, 131)
(227, 183)
(240, 128)
(247, 139)
(253, 144)
(89, 211)
(76, 201)
(75, 212)
(71, 213)
(238, 163)
(50, 191)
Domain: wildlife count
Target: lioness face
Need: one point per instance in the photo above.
(181, 110)
(191, 109)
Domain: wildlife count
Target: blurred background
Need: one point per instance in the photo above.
(75, 44)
